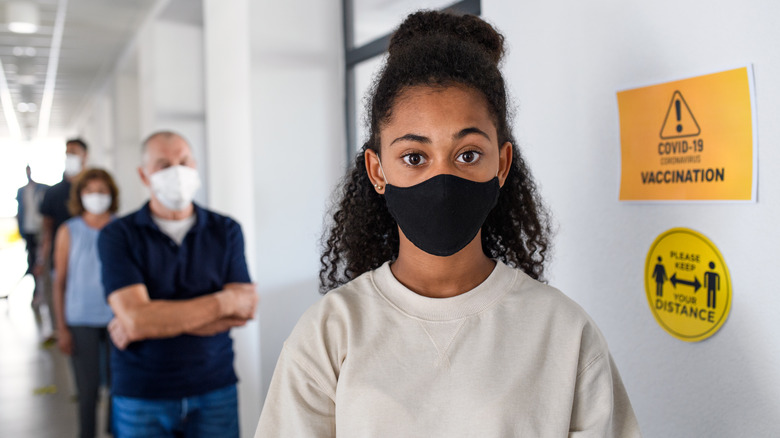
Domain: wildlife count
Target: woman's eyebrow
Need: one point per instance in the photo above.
(467, 131)
(412, 137)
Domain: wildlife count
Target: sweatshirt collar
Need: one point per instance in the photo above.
(469, 303)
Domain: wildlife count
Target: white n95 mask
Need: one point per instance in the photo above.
(96, 203)
(175, 186)
(72, 165)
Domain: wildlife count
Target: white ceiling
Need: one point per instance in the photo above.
(94, 35)
(97, 31)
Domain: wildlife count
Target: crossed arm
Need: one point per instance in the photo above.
(137, 317)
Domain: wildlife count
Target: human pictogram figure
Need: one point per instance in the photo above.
(659, 273)
(712, 283)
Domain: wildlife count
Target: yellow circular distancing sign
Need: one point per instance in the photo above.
(688, 285)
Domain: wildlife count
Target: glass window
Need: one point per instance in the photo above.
(368, 25)
(364, 78)
(374, 19)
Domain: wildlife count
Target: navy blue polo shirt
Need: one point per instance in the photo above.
(55, 206)
(133, 250)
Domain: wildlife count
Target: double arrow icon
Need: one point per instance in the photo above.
(695, 283)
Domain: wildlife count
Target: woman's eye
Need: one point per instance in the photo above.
(413, 159)
(469, 157)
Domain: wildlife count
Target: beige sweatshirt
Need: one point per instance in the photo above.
(510, 358)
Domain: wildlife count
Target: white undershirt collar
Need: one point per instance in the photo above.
(176, 229)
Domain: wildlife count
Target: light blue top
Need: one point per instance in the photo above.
(85, 300)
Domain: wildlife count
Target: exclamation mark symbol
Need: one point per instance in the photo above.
(677, 107)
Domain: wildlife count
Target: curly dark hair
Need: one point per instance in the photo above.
(435, 49)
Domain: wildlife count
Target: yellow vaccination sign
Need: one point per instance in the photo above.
(689, 140)
(687, 284)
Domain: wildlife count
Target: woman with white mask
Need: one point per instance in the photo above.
(79, 299)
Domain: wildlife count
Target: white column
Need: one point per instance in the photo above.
(229, 164)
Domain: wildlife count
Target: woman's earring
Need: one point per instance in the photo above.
(378, 186)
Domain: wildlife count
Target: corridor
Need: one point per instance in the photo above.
(37, 396)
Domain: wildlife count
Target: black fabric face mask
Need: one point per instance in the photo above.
(443, 214)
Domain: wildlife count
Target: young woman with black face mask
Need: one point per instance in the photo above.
(435, 322)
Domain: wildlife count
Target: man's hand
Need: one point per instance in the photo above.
(239, 300)
(218, 326)
(137, 317)
(118, 334)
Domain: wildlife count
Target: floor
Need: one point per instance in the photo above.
(37, 394)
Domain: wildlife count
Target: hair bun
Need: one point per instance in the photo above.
(468, 28)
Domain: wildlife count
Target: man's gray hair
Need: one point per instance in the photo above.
(164, 135)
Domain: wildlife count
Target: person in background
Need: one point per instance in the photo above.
(30, 221)
(79, 300)
(176, 278)
(55, 211)
(435, 322)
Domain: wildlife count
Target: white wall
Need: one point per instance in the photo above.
(229, 149)
(99, 134)
(127, 136)
(567, 60)
(297, 116)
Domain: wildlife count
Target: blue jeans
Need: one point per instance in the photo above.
(213, 414)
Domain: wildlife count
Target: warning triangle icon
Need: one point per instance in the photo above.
(679, 121)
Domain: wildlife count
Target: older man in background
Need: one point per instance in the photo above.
(177, 281)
